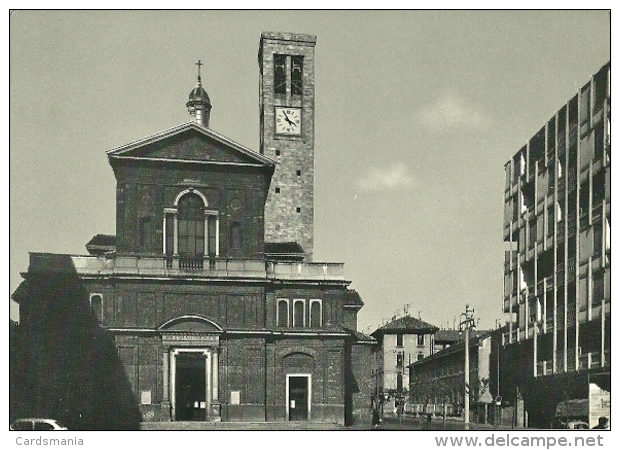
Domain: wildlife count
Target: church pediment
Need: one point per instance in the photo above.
(191, 143)
(190, 324)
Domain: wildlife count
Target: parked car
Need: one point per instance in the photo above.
(37, 425)
(577, 425)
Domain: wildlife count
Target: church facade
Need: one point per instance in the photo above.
(208, 292)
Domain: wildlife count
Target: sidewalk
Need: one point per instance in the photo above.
(241, 426)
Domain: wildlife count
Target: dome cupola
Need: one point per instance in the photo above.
(199, 104)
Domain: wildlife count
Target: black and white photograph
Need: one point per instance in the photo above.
(311, 221)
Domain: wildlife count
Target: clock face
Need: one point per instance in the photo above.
(288, 121)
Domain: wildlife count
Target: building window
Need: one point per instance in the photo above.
(420, 356)
(584, 114)
(598, 189)
(277, 190)
(550, 220)
(598, 291)
(190, 229)
(235, 235)
(298, 209)
(299, 316)
(599, 141)
(420, 339)
(600, 89)
(297, 75)
(399, 382)
(597, 235)
(399, 359)
(282, 312)
(316, 313)
(277, 152)
(299, 173)
(399, 339)
(191, 226)
(584, 198)
(533, 236)
(96, 307)
(279, 74)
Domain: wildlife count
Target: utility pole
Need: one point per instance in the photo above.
(467, 323)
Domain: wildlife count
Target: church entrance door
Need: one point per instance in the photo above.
(190, 386)
(298, 397)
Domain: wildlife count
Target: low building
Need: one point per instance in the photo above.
(438, 381)
(399, 342)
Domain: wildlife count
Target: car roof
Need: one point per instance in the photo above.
(33, 419)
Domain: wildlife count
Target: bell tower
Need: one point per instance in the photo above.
(286, 98)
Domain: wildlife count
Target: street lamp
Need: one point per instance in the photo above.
(467, 323)
(498, 398)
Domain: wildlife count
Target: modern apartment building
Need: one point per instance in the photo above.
(557, 221)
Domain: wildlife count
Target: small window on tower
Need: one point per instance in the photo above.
(277, 190)
(296, 75)
(298, 209)
(299, 173)
(279, 69)
(277, 152)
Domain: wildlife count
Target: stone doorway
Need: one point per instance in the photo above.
(298, 397)
(190, 387)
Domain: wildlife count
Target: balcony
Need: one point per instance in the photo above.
(532, 170)
(548, 324)
(173, 266)
(572, 179)
(305, 271)
(540, 289)
(214, 267)
(561, 144)
(549, 284)
(571, 315)
(572, 224)
(559, 323)
(559, 270)
(597, 211)
(561, 188)
(544, 367)
(573, 131)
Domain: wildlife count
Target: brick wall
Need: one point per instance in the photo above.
(145, 189)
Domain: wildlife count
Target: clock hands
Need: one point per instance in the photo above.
(290, 122)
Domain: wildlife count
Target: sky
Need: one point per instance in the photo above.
(416, 114)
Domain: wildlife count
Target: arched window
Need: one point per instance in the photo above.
(96, 306)
(190, 231)
(316, 319)
(283, 313)
(298, 313)
(191, 223)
